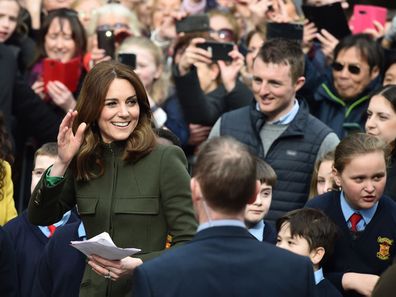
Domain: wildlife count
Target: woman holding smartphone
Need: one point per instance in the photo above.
(62, 39)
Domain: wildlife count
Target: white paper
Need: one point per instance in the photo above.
(103, 246)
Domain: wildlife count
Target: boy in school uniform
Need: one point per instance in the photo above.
(29, 240)
(255, 212)
(309, 232)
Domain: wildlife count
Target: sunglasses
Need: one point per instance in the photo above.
(116, 26)
(224, 34)
(353, 69)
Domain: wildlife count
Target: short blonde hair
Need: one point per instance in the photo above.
(118, 10)
(161, 86)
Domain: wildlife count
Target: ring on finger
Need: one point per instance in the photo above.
(108, 276)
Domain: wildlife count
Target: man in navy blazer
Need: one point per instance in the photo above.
(224, 259)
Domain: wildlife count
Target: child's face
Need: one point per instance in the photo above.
(325, 177)
(255, 212)
(296, 244)
(363, 179)
(41, 164)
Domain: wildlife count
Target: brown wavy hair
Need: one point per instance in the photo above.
(89, 161)
(5, 153)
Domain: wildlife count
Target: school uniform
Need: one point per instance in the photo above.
(270, 233)
(61, 266)
(8, 270)
(369, 250)
(264, 231)
(324, 287)
(28, 242)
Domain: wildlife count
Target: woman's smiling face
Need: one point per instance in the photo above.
(120, 114)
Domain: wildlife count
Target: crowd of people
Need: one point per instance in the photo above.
(212, 167)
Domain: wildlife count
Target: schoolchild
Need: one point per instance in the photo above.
(309, 232)
(29, 240)
(366, 218)
(255, 212)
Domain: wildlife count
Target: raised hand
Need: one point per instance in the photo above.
(310, 32)
(68, 143)
(61, 95)
(38, 88)
(230, 71)
(378, 31)
(328, 44)
(198, 133)
(192, 55)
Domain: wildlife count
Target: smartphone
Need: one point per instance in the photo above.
(106, 41)
(323, 17)
(364, 15)
(127, 59)
(67, 73)
(291, 31)
(193, 23)
(219, 50)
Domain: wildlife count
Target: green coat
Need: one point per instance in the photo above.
(138, 205)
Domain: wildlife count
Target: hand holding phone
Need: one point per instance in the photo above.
(364, 15)
(67, 73)
(324, 18)
(218, 50)
(106, 41)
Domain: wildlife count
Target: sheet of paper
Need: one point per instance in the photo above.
(102, 245)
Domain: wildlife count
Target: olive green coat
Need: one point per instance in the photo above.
(138, 205)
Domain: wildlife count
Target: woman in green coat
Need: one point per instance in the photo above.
(122, 181)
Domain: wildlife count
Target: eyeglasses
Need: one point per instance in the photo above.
(224, 34)
(113, 27)
(353, 69)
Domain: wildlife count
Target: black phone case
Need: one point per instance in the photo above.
(194, 23)
(329, 17)
(219, 50)
(106, 41)
(127, 59)
(285, 30)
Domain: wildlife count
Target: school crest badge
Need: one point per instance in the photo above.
(384, 247)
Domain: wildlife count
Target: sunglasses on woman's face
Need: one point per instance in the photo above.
(353, 69)
(115, 26)
(224, 34)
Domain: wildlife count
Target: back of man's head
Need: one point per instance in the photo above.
(226, 173)
(286, 52)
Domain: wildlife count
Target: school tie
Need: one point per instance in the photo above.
(355, 219)
(51, 229)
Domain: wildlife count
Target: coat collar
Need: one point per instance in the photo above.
(221, 232)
